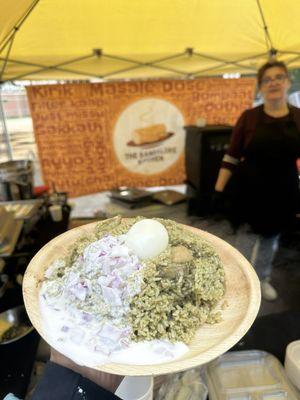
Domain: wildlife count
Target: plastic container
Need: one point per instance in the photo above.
(248, 375)
(136, 388)
(292, 363)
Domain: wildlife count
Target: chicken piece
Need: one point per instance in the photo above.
(180, 254)
(179, 264)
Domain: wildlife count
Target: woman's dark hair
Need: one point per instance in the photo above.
(268, 65)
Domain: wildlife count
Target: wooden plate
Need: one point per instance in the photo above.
(242, 297)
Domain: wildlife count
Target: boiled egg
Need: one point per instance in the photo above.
(147, 238)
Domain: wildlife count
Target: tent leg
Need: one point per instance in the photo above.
(5, 131)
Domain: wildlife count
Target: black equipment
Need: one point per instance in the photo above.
(204, 150)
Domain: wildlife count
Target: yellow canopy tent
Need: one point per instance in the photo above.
(117, 39)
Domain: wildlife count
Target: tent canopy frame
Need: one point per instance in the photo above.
(8, 40)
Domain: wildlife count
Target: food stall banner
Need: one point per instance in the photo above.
(97, 136)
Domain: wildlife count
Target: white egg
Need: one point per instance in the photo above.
(147, 238)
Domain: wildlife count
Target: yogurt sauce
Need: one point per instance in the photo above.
(141, 353)
(88, 342)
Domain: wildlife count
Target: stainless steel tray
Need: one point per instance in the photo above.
(22, 209)
(130, 194)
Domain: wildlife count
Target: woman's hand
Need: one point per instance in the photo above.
(107, 381)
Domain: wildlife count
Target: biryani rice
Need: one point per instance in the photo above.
(176, 298)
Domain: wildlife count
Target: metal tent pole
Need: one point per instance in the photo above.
(12, 33)
(5, 130)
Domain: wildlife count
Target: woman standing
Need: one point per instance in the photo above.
(260, 174)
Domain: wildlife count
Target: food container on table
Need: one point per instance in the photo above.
(14, 325)
(292, 363)
(248, 375)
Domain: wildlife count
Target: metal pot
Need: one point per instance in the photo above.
(16, 180)
(20, 325)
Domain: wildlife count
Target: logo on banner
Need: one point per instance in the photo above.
(149, 136)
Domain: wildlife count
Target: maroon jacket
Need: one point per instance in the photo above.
(244, 130)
